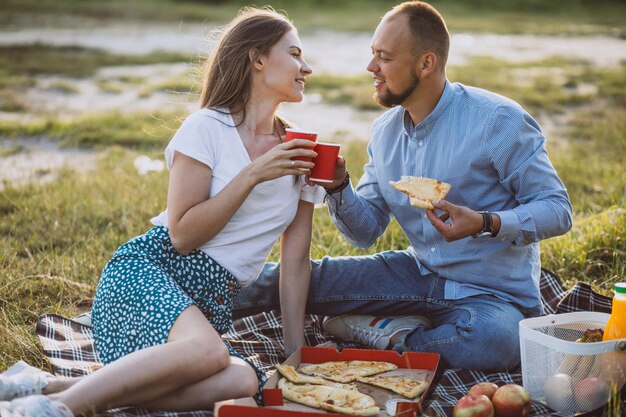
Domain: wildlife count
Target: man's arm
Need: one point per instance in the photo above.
(360, 214)
(516, 149)
(519, 155)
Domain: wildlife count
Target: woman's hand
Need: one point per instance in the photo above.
(278, 162)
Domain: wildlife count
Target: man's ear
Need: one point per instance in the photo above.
(256, 59)
(427, 64)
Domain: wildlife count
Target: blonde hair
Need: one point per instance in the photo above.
(227, 71)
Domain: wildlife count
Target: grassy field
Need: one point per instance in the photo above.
(572, 17)
(56, 237)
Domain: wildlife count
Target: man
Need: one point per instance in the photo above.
(472, 270)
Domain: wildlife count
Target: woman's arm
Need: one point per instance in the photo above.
(295, 275)
(194, 218)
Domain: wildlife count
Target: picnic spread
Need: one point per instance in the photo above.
(69, 347)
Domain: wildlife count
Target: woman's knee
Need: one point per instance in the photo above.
(247, 379)
(211, 357)
(201, 358)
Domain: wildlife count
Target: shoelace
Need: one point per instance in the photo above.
(364, 336)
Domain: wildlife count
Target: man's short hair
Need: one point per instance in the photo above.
(428, 28)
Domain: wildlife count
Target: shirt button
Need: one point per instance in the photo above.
(424, 216)
(420, 143)
(432, 249)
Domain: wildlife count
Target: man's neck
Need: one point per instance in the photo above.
(424, 100)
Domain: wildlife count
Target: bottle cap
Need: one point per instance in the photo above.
(620, 287)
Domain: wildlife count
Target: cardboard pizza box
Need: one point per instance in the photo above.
(411, 364)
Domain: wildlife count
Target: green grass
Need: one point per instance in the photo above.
(12, 101)
(71, 61)
(356, 91)
(185, 83)
(546, 85)
(56, 237)
(510, 16)
(549, 85)
(62, 87)
(132, 130)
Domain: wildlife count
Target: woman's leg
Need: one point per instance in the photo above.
(236, 381)
(194, 351)
(60, 384)
(201, 395)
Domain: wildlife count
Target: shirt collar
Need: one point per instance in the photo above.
(446, 98)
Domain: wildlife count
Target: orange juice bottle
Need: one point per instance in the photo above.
(616, 326)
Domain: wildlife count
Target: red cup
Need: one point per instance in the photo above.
(325, 162)
(291, 133)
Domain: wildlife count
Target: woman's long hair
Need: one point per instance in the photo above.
(227, 73)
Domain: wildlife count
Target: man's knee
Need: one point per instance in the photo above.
(499, 343)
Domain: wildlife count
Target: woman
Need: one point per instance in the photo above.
(165, 297)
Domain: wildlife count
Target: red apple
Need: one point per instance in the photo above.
(484, 388)
(473, 406)
(592, 393)
(511, 400)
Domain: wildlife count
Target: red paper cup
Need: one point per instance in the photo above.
(325, 162)
(291, 133)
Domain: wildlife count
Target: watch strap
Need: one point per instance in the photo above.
(487, 229)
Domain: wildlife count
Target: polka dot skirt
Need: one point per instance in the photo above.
(147, 284)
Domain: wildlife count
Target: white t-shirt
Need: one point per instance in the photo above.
(243, 245)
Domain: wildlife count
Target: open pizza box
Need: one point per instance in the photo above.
(421, 366)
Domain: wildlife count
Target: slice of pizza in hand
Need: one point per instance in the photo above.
(408, 387)
(422, 191)
(328, 398)
(347, 371)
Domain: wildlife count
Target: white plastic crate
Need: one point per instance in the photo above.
(548, 347)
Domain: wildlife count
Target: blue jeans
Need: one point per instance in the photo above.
(478, 332)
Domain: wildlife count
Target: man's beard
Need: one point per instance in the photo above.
(390, 99)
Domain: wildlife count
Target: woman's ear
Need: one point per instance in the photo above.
(255, 59)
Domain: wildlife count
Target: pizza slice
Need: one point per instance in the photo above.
(347, 371)
(329, 398)
(408, 387)
(296, 377)
(422, 191)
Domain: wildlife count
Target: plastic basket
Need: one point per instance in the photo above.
(594, 370)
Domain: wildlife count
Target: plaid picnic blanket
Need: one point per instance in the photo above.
(68, 346)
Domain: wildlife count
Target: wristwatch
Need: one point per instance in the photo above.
(487, 229)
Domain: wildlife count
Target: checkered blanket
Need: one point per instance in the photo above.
(68, 345)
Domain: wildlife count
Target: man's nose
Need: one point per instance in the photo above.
(372, 66)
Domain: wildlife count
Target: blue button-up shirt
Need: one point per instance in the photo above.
(492, 153)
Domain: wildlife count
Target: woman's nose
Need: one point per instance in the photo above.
(306, 68)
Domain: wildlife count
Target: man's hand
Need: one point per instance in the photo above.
(340, 175)
(456, 222)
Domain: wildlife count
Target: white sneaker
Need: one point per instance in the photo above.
(372, 331)
(34, 406)
(84, 319)
(21, 380)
